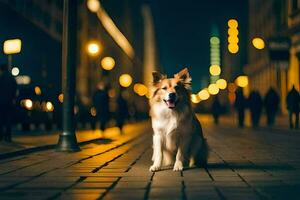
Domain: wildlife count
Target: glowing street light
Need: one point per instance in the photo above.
(242, 81)
(215, 70)
(258, 43)
(28, 104)
(10, 47)
(49, 107)
(93, 5)
(125, 80)
(222, 84)
(195, 98)
(108, 63)
(203, 94)
(37, 90)
(213, 89)
(15, 71)
(140, 89)
(93, 48)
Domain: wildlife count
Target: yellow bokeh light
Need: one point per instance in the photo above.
(93, 48)
(37, 90)
(12, 46)
(93, 111)
(215, 70)
(233, 40)
(258, 43)
(61, 97)
(203, 94)
(222, 84)
(195, 98)
(213, 89)
(242, 81)
(49, 107)
(125, 80)
(93, 5)
(28, 104)
(232, 23)
(108, 63)
(140, 89)
(233, 32)
(233, 48)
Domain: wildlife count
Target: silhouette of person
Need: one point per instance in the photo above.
(8, 89)
(122, 111)
(101, 103)
(271, 103)
(255, 103)
(216, 109)
(240, 104)
(292, 101)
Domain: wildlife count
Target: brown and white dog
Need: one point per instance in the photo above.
(178, 139)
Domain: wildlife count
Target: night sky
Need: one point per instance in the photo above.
(183, 30)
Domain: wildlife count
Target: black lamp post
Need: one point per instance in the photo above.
(67, 139)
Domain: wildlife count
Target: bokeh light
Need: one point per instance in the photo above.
(125, 80)
(15, 71)
(258, 43)
(195, 98)
(37, 90)
(140, 89)
(242, 81)
(93, 5)
(203, 94)
(213, 89)
(232, 23)
(93, 48)
(108, 63)
(222, 84)
(215, 70)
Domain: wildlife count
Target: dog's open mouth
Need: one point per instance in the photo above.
(170, 103)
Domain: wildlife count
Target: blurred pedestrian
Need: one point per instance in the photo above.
(122, 111)
(216, 109)
(255, 104)
(240, 103)
(292, 101)
(101, 104)
(271, 103)
(8, 90)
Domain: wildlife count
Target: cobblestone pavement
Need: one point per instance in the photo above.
(243, 164)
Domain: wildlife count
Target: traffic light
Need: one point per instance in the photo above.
(233, 39)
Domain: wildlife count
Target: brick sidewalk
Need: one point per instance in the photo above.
(243, 164)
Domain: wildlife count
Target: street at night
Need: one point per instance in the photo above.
(149, 99)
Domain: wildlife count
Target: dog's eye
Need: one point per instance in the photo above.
(164, 88)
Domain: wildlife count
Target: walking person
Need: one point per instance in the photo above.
(216, 109)
(271, 103)
(292, 101)
(122, 111)
(101, 104)
(255, 103)
(8, 90)
(240, 103)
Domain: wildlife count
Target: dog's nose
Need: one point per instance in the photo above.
(172, 95)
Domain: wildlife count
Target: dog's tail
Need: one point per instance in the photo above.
(202, 155)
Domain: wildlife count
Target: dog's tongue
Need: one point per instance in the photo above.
(170, 103)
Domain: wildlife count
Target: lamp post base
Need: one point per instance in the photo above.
(67, 142)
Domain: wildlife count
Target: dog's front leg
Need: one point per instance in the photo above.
(181, 155)
(157, 153)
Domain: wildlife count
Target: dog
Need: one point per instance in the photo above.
(178, 139)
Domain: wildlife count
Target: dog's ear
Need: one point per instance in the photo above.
(184, 77)
(157, 77)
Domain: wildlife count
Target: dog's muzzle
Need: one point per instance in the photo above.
(171, 101)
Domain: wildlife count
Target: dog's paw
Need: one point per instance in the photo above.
(178, 166)
(154, 168)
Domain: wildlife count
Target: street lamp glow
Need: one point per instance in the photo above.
(49, 107)
(215, 70)
(232, 23)
(28, 104)
(12, 46)
(233, 48)
(213, 89)
(140, 89)
(242, 81)
(258, 43)
(125, 80)
(15, 71)
(195, 98)
(93, 48)
(108, 63)
(203, 94)
(37, 90)
(93, 5)
(222, 84)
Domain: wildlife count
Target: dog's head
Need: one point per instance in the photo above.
(172, 91)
